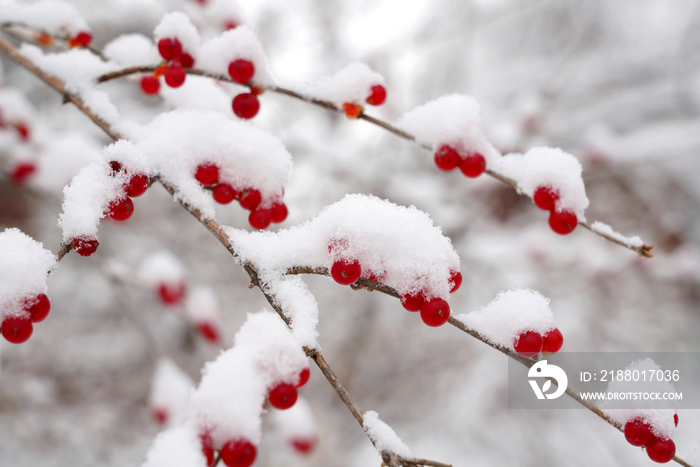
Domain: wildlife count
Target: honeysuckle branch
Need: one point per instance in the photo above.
(388, 457)
(644, 250)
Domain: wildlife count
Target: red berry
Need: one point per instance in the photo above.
(39, 308)
(661, 450)
(83, 38)
(121, 209)
(241, 71)
(303, 446)
(283, 396)
(239, 453)
(174, 76)
(304, 376)
(246, 105)
(446, 158)
(528, 344)
(562, 222)
(260, 218)
(150, 85)
(186, 60)
(545, 198)
(552, 341)
(170, 49)
(250, 198)
(352, 111)
(207, 447)
(138, 184)
(115, 166)
(85, 246)
(171, 294)
(230, 24)
(209, 331)
(21, 173)
(413, 302)
(455, 281)
(279, 212)
(17, 329)
(346, 272)
(435, 312)
(675, 419)
(378, 95)
(637, 433)
(160, 415)
(207, 174)
(473, 165)
(23, 131)
(224, 193)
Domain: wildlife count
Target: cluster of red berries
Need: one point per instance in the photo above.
(448, 158)
(377, 96)
(82, 39)
(245, 105)
(435, 311)
(176, 60)
(250, 198)
(530, 343)
(241, 452)
(563, 221)
(660, 450)
(119, 210)
(18, 329)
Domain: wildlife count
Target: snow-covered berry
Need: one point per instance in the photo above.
(675, 419)
(239, 453)
(246, 105)
(378, 95)
(637, 433)
(250, 198)
(175, 76)
(121, 209)
(241, 71)
(304, 376)
(346, 272)
(260, 218)
(85, 246)
(528, 344)
(473, 165)
(562, 222)
(413, 302)
(83, 38)
(447, 158)
(352, 111)
(207, 447)
(207, 174)
(38, 308)
(435, 312)
(278, 212)
(545, 198)
(170, 49)
(138, 184)
(186, 60)
(171, 294)
(283, 396)
(455, 281)
(224, 193)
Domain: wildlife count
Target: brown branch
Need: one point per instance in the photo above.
(316, 355)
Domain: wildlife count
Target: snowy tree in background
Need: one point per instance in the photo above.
(451, 158)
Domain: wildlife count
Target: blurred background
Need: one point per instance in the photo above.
(617, 84)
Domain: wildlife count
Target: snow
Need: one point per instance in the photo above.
(170, 390)
(14, 107)
(177, 447)
(660, 419)
(297, 422)
(385, 439)
(454, 120)
(52, 16)
(63, 156)
(510, 314)
(132, 50)
(86, 199)
(605, 229)
(229, 399)
(223, 11)
(400, 245)
(240, 43)
(202, 305)
(543, 166)
(160, 267)
(198, 92)
(77, 68)
(177, 25)
(24, 268)
(352, 84)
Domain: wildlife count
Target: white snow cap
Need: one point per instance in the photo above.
(78, 69)
(161, 266)
(24, 268)
(170, 390)
(453, 120)
(223, 12)
(177, 25)
(548, 167)
(352, 84)
(51, 16)
(605, 229)
(202, 305)
(659, 419)
(179, 446)
(15, 107)
(132, 50)
(295, 423)
(399, 246)
(228, 402)
(510, 314)
(63, 156)
(240, 43)
(385, 439)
